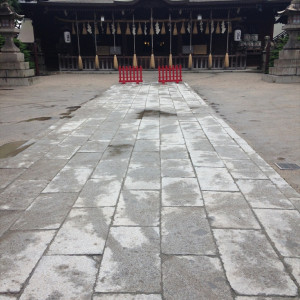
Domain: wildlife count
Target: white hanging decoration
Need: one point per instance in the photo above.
(170, 26)
(89, 28)
(133, 29)
(157, 29)
(145, 29)
(223, 27)
(201, 26)
(212, 27)
(113, 28)
(189, 28)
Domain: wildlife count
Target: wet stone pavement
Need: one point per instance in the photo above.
(145, 194)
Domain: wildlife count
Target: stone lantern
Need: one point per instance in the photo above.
(13, 69)
(287, 68)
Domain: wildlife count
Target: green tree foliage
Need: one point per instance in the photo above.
(14, 4)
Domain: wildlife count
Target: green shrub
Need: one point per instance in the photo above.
(23, 48)
(274, 54)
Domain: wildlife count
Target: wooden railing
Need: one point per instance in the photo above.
(70, 63)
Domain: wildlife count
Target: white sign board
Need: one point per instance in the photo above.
(67, 36)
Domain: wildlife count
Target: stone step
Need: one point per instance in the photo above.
(287, 63)
(18, 81)
(17, 73)
(284, 71)
(289, 54)
(14, 65)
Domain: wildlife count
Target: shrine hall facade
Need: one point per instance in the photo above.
(108, 29)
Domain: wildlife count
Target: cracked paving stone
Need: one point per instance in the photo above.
(194, 278)
(62, 277)
(68, 180)
(185, 230)
(282, 226)
(181, 192)
(126, 297)
(229, 210)
(84, 232)
(139, 208)
(215, 179)
(20, 194)
(131, 261)
(19, 253)
(263, 194)
(99, 192)
(251, 265)
(48, 211)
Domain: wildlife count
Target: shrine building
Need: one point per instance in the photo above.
(197, 33)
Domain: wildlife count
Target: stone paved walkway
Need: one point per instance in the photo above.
(146, 195)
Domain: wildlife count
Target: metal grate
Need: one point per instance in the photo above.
(286, 166)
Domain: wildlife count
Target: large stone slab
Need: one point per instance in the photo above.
(84, 160)
(99, 192)
(94, 146)
(177, 168)
(7, 218)
(48, 211)
(229, 210)
(263, 194)
(68, 180)
(206, 159)
(7, 176)
(145, 159)
(116, 168)
(44, 169)
(244, 169)
(127, 297)
(68, 278)
(282, 226)
(252, 266)
(174, 152)
(62, 152)
(215, 179)
(146, 145)
(142, 178)
(138, 208)
(185, 230)
(19, 253)
(84, 232)
(181, 192)
(20, 194)
(294, 266)
(194, 278)
(131, 261)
